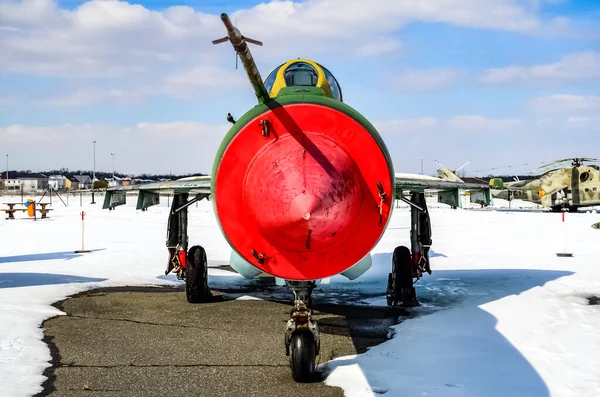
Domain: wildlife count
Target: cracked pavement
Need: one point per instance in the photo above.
(151, 342)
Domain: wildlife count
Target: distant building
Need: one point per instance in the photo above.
(33, 182)
(57, 182)
(81, 182)
(12, 182)
(116, 181)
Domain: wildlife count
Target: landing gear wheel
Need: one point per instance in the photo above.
(302, 356)
(400, 291)
(196, 276)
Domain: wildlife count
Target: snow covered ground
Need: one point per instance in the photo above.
(501, 315)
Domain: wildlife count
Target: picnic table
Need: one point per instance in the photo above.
(11, 209)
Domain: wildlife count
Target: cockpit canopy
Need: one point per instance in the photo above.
(303, 73)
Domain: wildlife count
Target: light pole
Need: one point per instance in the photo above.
(6, 183)
(113, 156)
(421, 165)
(94, 174)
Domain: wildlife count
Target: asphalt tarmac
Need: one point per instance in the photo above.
(151, 342)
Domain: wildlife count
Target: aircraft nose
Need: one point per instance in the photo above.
(303, 206)
(302, 200)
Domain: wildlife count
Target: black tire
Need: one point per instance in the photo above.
(401, 291)
(402, 272)
(196, 276)
(302, 356)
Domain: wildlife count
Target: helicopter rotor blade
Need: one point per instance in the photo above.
(462, 166)
(440, 164)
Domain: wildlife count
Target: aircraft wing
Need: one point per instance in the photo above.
(448, 192)
(149, 193)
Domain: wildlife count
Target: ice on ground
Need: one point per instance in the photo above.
(501, 315)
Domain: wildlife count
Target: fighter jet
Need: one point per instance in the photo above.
(302, 187)
(566, 188)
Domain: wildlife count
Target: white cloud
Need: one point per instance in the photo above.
(182, 146)
(112, 38)
(425, 80)
(486, 141)
(90, 97)
(580, 65)
(191, 83)
(202, 78)
(565, 102)
(190, 146)
(170, 49)
(457, 124)
(584, 123)
(483, 124)
(406, 125)
(379, 46)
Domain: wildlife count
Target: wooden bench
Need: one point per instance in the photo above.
(11, 209)
(11, 212)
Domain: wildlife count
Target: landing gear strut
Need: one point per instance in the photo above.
(407, 265)
(189, 265)
(302, 341)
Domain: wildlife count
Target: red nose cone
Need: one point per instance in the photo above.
(297, 203)
(303, 203)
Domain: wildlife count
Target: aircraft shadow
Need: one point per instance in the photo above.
(444, 356)
(475, 360)
(16, 280)
(66, 255)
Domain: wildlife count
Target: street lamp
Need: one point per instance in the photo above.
(6, 183)
(421, 165)
(113, 156)
(94, 174)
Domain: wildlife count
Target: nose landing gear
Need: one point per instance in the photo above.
(302, 340)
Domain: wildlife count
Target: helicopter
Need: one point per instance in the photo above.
(564, 185)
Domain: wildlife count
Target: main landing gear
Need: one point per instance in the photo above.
(407, 265)
(191, 264)
(302, 341)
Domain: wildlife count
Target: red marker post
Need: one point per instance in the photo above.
(82, 234)
(564, 254)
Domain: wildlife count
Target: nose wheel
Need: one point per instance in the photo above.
(302, 341)
(302, 356)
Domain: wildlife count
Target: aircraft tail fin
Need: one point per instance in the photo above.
(447, 175)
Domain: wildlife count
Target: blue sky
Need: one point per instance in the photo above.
(494, 82)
